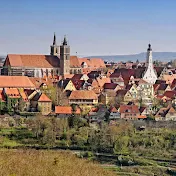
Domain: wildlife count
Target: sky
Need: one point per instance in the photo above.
(93, 27)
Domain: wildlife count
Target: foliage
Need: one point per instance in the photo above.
(57, 95)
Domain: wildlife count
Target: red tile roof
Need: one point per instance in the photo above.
(37, 61)
(110, 86)
(15, 82)
(170, 94)
(12, 92)
(83, 95)
(113, 109)
(129, 109)
(66, 110)
(44, 98)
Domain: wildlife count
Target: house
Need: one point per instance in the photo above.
(166, 114)
(66, 85)
(40, 102)
(118, 79)
(169, 78)
(145, 92)
(124, 96)
(129, 111)
(97, 113)
(163, 88)
(114, 113)
(133, 90)
(111, 87)
(66, 111)
(107, 98)
(83, 97)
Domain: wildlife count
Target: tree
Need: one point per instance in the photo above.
(121, 145)
(57, 96)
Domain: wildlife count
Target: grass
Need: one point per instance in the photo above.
(47, 163)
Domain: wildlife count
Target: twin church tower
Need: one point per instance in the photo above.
(64, 52)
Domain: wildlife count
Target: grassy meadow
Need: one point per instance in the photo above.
(47, 163)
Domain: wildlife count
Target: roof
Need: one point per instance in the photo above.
(63, 83)
(163, 86)
(110, 85)
(113, 109)
(122, 92)
(37, 61)
(83, 94)
(94, 63)
(163, 111)
(141, 81)
(142, 109)
(16, 82)
(23, 94)
(170, 94)
(44, 98)
(129, 109)
(66, 110)
(38, 82)
(12, 92)
(78, 84)
(169, 78)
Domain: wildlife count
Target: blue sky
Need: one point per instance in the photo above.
(93, 27)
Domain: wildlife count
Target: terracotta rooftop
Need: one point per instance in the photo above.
(37, 61)
(44, 98)
(83, 95)
(129, 109)
(12, 92)
(15, 82)
(66, 110)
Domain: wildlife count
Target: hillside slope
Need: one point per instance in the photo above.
(47, 163)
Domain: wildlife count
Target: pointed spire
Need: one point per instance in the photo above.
(149, 47)
(65, 40)
(54, 40)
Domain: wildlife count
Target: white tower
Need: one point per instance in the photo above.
(150, 75)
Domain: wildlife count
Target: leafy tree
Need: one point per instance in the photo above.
(57, 96)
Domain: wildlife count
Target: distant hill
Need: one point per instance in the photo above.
(161, 56)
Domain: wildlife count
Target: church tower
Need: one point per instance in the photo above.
(64, 58)
(150, 75)
(54, 49)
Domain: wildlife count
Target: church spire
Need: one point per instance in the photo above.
(54, 40)
(65, 40)
(54, 49)
(149, 47)
(150, 75)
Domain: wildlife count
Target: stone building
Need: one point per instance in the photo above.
(58, 63)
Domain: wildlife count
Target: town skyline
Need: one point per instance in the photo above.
(122, 28)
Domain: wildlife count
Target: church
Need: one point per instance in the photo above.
(58, 63)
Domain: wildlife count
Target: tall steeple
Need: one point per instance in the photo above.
(64, 58)
(54, 40)
(54, 49)
(150, 75)
(65, 40)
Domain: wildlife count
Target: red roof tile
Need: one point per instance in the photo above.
(44, 98)
(37, 61)
(66, 110)
(83, 95)
(15, 82)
